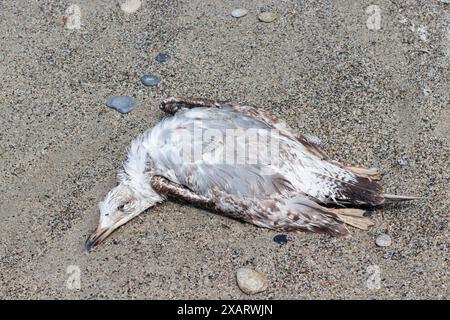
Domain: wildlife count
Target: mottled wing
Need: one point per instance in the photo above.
(210, 167)
(331, 181)
(296, 165)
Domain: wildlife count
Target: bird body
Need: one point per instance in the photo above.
(242, 162)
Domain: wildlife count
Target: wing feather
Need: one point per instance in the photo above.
(297, 167)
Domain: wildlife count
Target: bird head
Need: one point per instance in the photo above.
(120, 205)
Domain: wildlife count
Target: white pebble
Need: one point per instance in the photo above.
(251, 281)
(239, 13)
(383, 240)
(130, 6)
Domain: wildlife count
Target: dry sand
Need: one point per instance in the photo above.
(372, 96)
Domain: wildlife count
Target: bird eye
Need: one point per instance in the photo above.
(121, 207)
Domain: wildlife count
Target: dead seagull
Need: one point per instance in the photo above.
(242, 162)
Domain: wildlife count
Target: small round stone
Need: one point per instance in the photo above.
(280, 239)
(150, 80)
(383, 240)
(251, 281)
(162, 57)
(122, 104)
(239, 13)
(267, 17)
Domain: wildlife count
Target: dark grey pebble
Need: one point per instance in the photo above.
(367, 213)
(122, 104)
(150, 80)
(280, 239)
(162, 57)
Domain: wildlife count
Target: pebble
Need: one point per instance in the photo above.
(162, 57)
(122, 104)
(383, 240)
(267, 17)
(280, 239)
(251, 281)
(239, 13)
(150, 80)
(130, 6)
(367, 213)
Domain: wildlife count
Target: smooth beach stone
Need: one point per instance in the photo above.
(251, 281)
(383, 240)
(239, 13)
(267, 17)
(122, 104)
(280, 239)
(150, 80)
(162, 57)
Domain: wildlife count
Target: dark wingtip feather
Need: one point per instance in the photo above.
(363, 191)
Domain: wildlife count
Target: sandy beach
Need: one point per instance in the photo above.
(372, 83)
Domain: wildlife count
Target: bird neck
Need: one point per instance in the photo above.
(135, 169)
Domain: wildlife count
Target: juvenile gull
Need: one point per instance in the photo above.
(290, 188)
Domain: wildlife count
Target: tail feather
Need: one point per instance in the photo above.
(369, 173)
(389, 198)
(353, 217)
(361, 191)
(300, 213)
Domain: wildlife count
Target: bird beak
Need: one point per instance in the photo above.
(97, 237)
